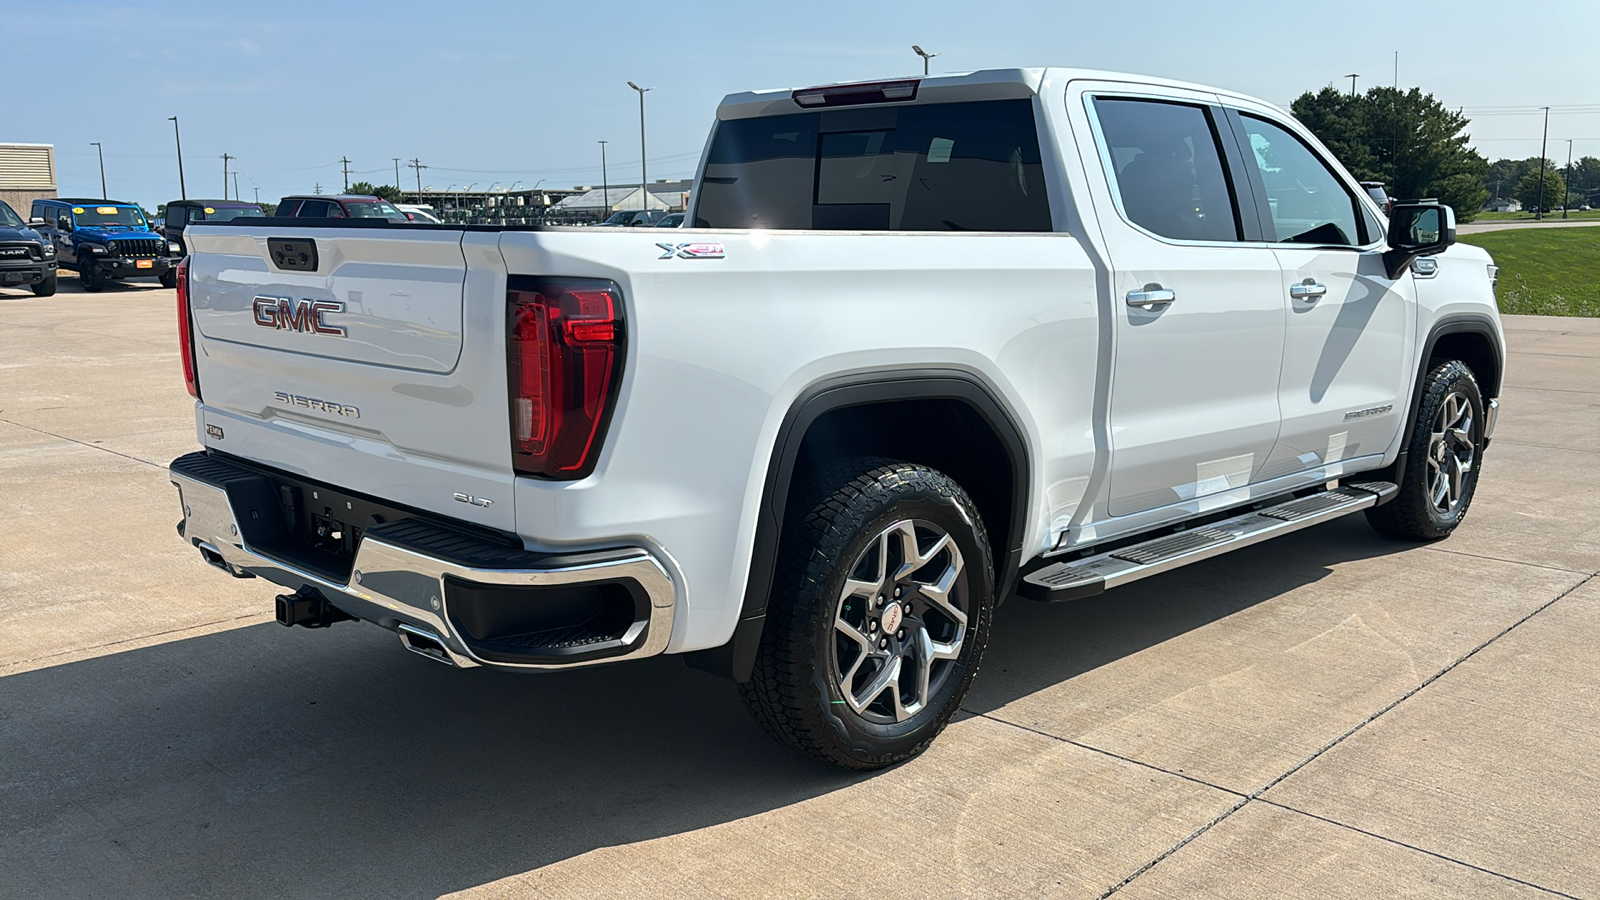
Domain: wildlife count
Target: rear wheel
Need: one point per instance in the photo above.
(45, 288)
(1442, 465)
(878, 617)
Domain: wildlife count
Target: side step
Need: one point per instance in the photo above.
(1091, 575)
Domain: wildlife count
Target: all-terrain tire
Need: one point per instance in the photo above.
(169, 278)
(91, 279)
(1415, 513)
(45, 288)
(841, 520)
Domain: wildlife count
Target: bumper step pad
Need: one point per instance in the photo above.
(1091, 575)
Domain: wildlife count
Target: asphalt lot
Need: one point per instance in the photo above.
(1329, 715)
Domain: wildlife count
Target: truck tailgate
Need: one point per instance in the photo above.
(366, 368)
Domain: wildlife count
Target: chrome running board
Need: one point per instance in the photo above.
(1090, 575)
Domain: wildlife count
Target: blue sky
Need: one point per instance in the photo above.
(501, 92)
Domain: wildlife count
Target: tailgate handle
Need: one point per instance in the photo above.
(293, 254)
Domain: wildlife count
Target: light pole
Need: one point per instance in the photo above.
(102, 153)
(235, 184)
(183, 193)
(644, 171)
(925, 56)
(1353, 76)
(605, 183)
(1566, 195)
(397, 173)
(1538, 212)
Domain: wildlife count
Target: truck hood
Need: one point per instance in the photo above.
(20, 234)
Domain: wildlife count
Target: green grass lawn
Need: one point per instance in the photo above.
(1487, 216)
(1545, 271)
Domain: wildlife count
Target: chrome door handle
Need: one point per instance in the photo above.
(1307, 290)
(1151, 296)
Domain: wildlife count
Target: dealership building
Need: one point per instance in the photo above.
(27, 173)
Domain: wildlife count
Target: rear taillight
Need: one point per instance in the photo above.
(564, 362)
(191, 378)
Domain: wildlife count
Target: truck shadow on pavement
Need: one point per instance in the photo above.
(264, 761)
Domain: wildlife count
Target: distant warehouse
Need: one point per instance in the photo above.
(27, 173)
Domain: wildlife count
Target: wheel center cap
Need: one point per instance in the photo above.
(893, 615)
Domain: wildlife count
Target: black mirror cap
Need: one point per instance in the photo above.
(1418, 229)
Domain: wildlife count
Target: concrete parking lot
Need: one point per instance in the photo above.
(1329, 715)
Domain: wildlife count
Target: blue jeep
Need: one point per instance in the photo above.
(105, 240)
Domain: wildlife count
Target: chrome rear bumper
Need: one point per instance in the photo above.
(397, 580)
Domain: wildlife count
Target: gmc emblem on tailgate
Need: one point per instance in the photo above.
(297, 315)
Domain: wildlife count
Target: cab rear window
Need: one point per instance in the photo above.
(938, 167)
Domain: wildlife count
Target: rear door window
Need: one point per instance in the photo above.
(288, 208)
(314, 209)
(937, 167)
(1167, 163)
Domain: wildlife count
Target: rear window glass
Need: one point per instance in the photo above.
(939, 167)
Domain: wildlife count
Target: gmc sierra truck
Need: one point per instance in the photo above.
(926, 344)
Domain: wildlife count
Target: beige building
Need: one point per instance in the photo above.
(27, 173)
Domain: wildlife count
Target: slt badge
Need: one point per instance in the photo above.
(691, 251)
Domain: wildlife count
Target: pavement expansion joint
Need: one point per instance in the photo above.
(1433, 853)
(84, 443)
(1256, 795)
(138, 638)
(1511, 562)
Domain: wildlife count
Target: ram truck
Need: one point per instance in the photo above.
(923, 345)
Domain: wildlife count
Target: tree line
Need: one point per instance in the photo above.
(1419, 148)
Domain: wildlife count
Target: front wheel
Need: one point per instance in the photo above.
(1442, 465)
(45, 287)
(878, 618)
(89, 277)
(169, 279)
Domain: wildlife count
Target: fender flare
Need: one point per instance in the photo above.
(1456, 323)
(736, 658)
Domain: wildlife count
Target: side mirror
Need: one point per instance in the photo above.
(35, 221)
(1417, 229)
(64, 223)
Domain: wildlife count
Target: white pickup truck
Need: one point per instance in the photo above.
(929, 343)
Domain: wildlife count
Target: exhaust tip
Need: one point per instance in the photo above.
(425, 644)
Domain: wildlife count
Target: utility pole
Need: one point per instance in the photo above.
(235, 184)
(925, 56)
(605, 183)
(258, 195)
(317, 189)
(346, 174)
(225, 158)
(396, 172)
(1538, 212)
(1566, 195)
(1353, 76)
(417, 164)
(183, 193)
(644, 171)
(104, 195)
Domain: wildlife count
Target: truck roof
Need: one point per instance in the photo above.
(983, 84)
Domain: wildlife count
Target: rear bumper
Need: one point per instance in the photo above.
(415, 575)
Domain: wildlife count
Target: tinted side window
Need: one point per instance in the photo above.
(1168, 167)
(288, 208)
(314, 209)
(939, 167)
(175, 217)
(1309, 204)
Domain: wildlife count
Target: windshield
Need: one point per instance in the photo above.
(8, 216)
(229, 213)
(373, 209)
(621, 218)
(108, 216)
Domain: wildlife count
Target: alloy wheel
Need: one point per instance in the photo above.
(900, 621)
(1452, 452)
